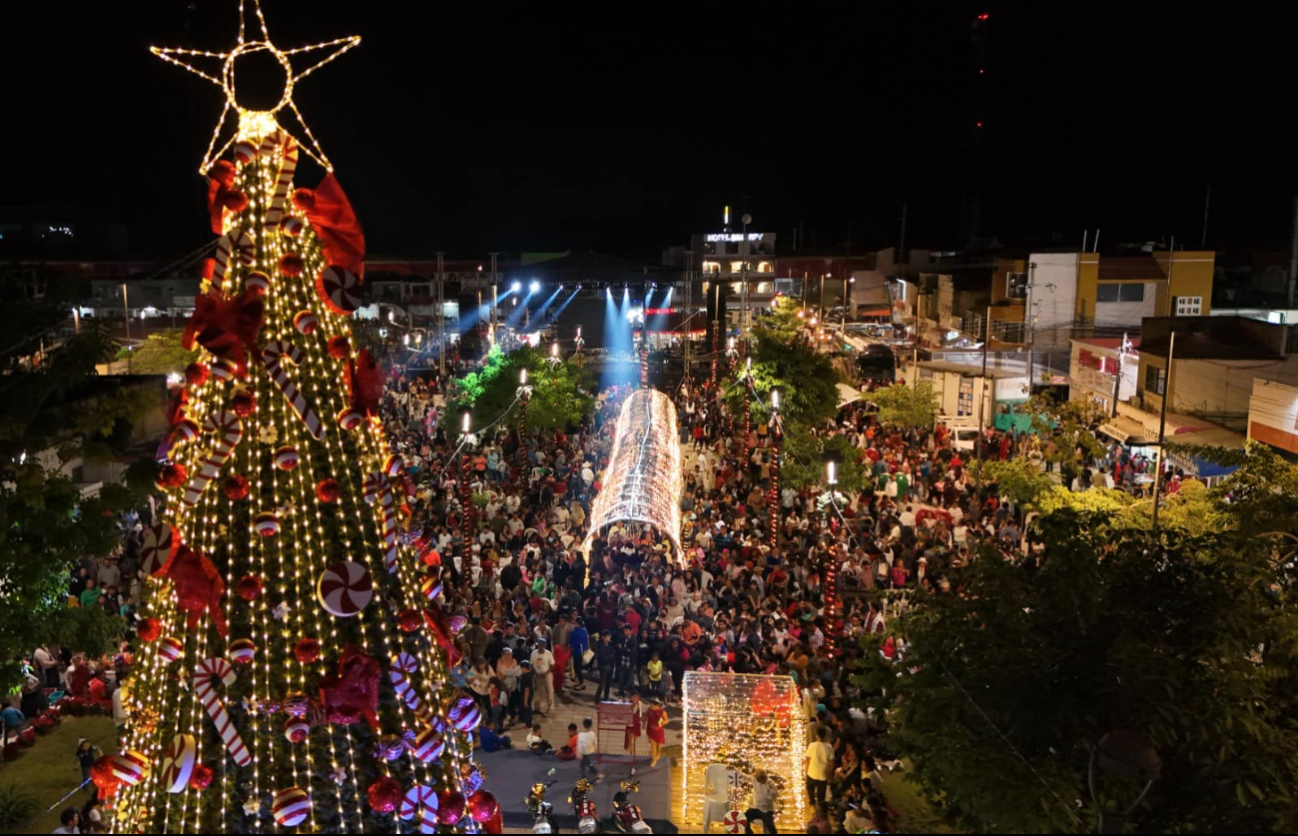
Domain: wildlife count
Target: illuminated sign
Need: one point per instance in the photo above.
(734, 236)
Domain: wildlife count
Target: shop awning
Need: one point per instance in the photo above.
(1125, 430)
(847, 395)
(1210, 437)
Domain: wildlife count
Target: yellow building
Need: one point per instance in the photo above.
(1122, 290)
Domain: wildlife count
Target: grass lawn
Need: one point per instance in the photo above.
(49, 769)
(914, 814)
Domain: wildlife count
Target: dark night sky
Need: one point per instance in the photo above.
(468, 131)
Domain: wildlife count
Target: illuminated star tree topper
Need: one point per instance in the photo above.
(257, 123)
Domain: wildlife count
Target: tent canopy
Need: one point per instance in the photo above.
(847, 395)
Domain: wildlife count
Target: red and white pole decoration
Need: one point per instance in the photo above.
(227, 424)
(285, 179)
(204, 674)
(376, 487)
(272, 354)
(404, 664)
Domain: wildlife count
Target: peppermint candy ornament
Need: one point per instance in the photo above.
(286, 457)
(291, 807)
(297, 730)
(161, 542)
(416, 797)
(344, 589)
(242, 651)
(350, 419)
(291, 226)
(340, 289)
(178, 762)
(224, 370)
(243, 152)
(171, 648)
(258, 282)
(306, 322)
(735, 822)
(266, 524)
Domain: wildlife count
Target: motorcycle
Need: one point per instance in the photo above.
(583, 808)
(626, 816)
(541, 810)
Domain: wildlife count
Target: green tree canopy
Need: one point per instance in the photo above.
(905, 406)
(1187, 636)
(562, 393)
(160, 353)
(782, 360)
(804, 459)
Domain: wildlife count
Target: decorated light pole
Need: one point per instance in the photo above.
(829, 567)
(466, 488)
(524, 395)
(748, 409)
(777, 443)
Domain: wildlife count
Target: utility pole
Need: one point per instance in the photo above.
(689, 309)
(441, 314)
(1162, 426)
(1207, 199)
(495, 300)
(746, 325)
(1031, 325)
(982, 411)
(1117, 383)
(901, 239)
(126, 313)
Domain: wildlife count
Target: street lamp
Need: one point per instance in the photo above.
(1127, 755)
(831, 474)
(777, 437)
(524, 391)
(466, 490)
(746, 325)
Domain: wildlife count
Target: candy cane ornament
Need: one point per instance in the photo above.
(416, 797)
(227, 424)
(287, 167)
(221, 260)
(272, 354)
(403, 664)
(388, 508)
(222, 671)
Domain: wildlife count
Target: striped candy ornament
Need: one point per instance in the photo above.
(243, 152)
(220, 670)
(242, 651)
(286, 457)
(244, 248)
(178, 762)
(430, 587)
(344, 589)
(297, 730)
(272, 354)
(306, 322)
(266, 523)
(186, 430)
(221, 259)
(291, 807)
(405, 663)
(171, 648)
(376, 487)
(340, 289)
(257, 281)
(131, 767)
(416, 797)
(428, 745)
(465, 715)
(227, 424)
(161, 542)
(350, 419)
(224, 370)
(393, 465)
(370, 487)
(291, 226)
(287, 167)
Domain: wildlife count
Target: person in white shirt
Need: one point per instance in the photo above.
(587, 743)
(763, 809)
(907, 517)
(542, 666)
(819, 763)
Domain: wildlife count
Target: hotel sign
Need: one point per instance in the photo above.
(734, 236)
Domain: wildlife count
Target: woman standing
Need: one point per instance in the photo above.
(655, 720)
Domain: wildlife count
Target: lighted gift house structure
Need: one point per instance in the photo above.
(293, 664)
(642, 483)
(734, 725)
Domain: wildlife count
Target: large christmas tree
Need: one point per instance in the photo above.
(294, 667)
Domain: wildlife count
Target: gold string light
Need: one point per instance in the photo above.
(256, 122)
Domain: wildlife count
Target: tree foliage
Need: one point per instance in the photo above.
(1189, 636)
(561, 394)
(1071, 427)
(782, 360)
(905, 406)
(50, 416)
(160, 353)
(805, 454)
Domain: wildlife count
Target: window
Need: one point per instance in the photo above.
(711, 267)
(1120, 292)
(1188, 305)
(1155, 380)
(1016, 285)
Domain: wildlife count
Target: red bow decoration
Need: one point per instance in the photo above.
(198, 587)
(352, 692)
(220, 183)
(336, 224)
(442, 635)
(365, 383)
(227, 326)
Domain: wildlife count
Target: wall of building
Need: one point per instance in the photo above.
(1053, 298)
(1191, 275)
(1215, 387)
(1273, 415)
(1129, 313)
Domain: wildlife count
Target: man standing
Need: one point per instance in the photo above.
(587, 743)
(606, 662)
(562, 649)
(626, 662)
(763, 809)
(820, 765)
(579, 643)
(542, 665)
(526, 690)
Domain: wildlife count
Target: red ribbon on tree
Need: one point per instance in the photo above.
(198, 587)
(335, 223)
(227, 326)
(220, 184)
(365, 383)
